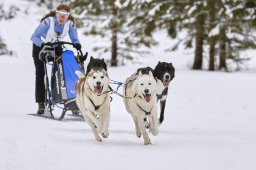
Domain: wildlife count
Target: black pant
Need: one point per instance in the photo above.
(40, 73)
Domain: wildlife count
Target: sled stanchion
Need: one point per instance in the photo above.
(63, 114)
(57, 83)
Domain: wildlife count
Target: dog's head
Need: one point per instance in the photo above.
(96, 75)
(165, 72)
(146, 86)
(98, 80)
(96, 64)
(144, 70)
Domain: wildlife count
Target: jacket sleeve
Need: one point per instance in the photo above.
(40, 31)
(73, 33)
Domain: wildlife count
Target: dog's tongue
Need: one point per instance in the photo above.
(166, 83)
(97, 89)
(147, 97)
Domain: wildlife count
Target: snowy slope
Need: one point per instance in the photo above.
(209, 124)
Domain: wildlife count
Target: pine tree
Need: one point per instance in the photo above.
(235, 25)
(226, 27)
(212, 39)
(175, 16)
(6, 15)
(113, 19)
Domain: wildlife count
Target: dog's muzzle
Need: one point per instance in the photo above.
(147, 95)
(98, 89)
(166, 83)
(166, 80)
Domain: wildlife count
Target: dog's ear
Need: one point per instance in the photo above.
(91, 58)
(105, 65)
(80, 75)
(140, 74)
(150, 74)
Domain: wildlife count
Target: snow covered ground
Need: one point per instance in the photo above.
(209, 123)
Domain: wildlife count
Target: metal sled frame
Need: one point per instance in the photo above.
(47, 55)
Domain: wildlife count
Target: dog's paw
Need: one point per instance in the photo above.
(99, 139)
(155, 131)
(147, 141)
(105, 134)
(147, 124)
(138, 134)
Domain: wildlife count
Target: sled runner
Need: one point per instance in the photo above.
(60, 83)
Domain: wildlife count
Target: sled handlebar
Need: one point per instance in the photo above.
(68, 43)
(62, 43)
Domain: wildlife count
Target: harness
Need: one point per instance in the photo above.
(146, 112)
(165, 92)
(95, 106)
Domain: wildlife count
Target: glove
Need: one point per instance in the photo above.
(77, 46)
(58, 50)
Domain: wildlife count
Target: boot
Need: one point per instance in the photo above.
(75, 112)
(40, 110)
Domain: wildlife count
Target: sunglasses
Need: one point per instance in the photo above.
(62, 14)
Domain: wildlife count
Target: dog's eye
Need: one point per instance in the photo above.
(149, 83)
(93, 77)
(102, 77)
(142, 84)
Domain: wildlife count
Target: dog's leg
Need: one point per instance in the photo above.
(104, 118)
(80, 100)
(93, 119)
(92, 125)
(137, 128)
(154, 121)
(162, 108)
(105, 124)
(140, 119)
(100, 126)
(146, 122)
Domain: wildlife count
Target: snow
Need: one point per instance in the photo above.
(209, 121)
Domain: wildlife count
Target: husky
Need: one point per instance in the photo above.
(92, 97)
(164, 73)
(141, 102)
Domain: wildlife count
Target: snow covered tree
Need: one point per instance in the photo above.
(225, 26)
(6, 14)
(234, 29)
(113, 20)
(51, 4)
(175, 16)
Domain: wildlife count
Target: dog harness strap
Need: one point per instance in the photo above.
(147, 113)
(96, 107)
(165, 92)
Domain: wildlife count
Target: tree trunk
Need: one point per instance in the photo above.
(199, 43)
(114, 41)
(222, 39)
(212, 40)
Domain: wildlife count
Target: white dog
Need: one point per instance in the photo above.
(93, 99)
(142, 102)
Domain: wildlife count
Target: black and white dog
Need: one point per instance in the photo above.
(164, 73)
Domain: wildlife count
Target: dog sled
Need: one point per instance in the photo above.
(60, 83)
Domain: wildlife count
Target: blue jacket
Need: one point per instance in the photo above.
(42, 29)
